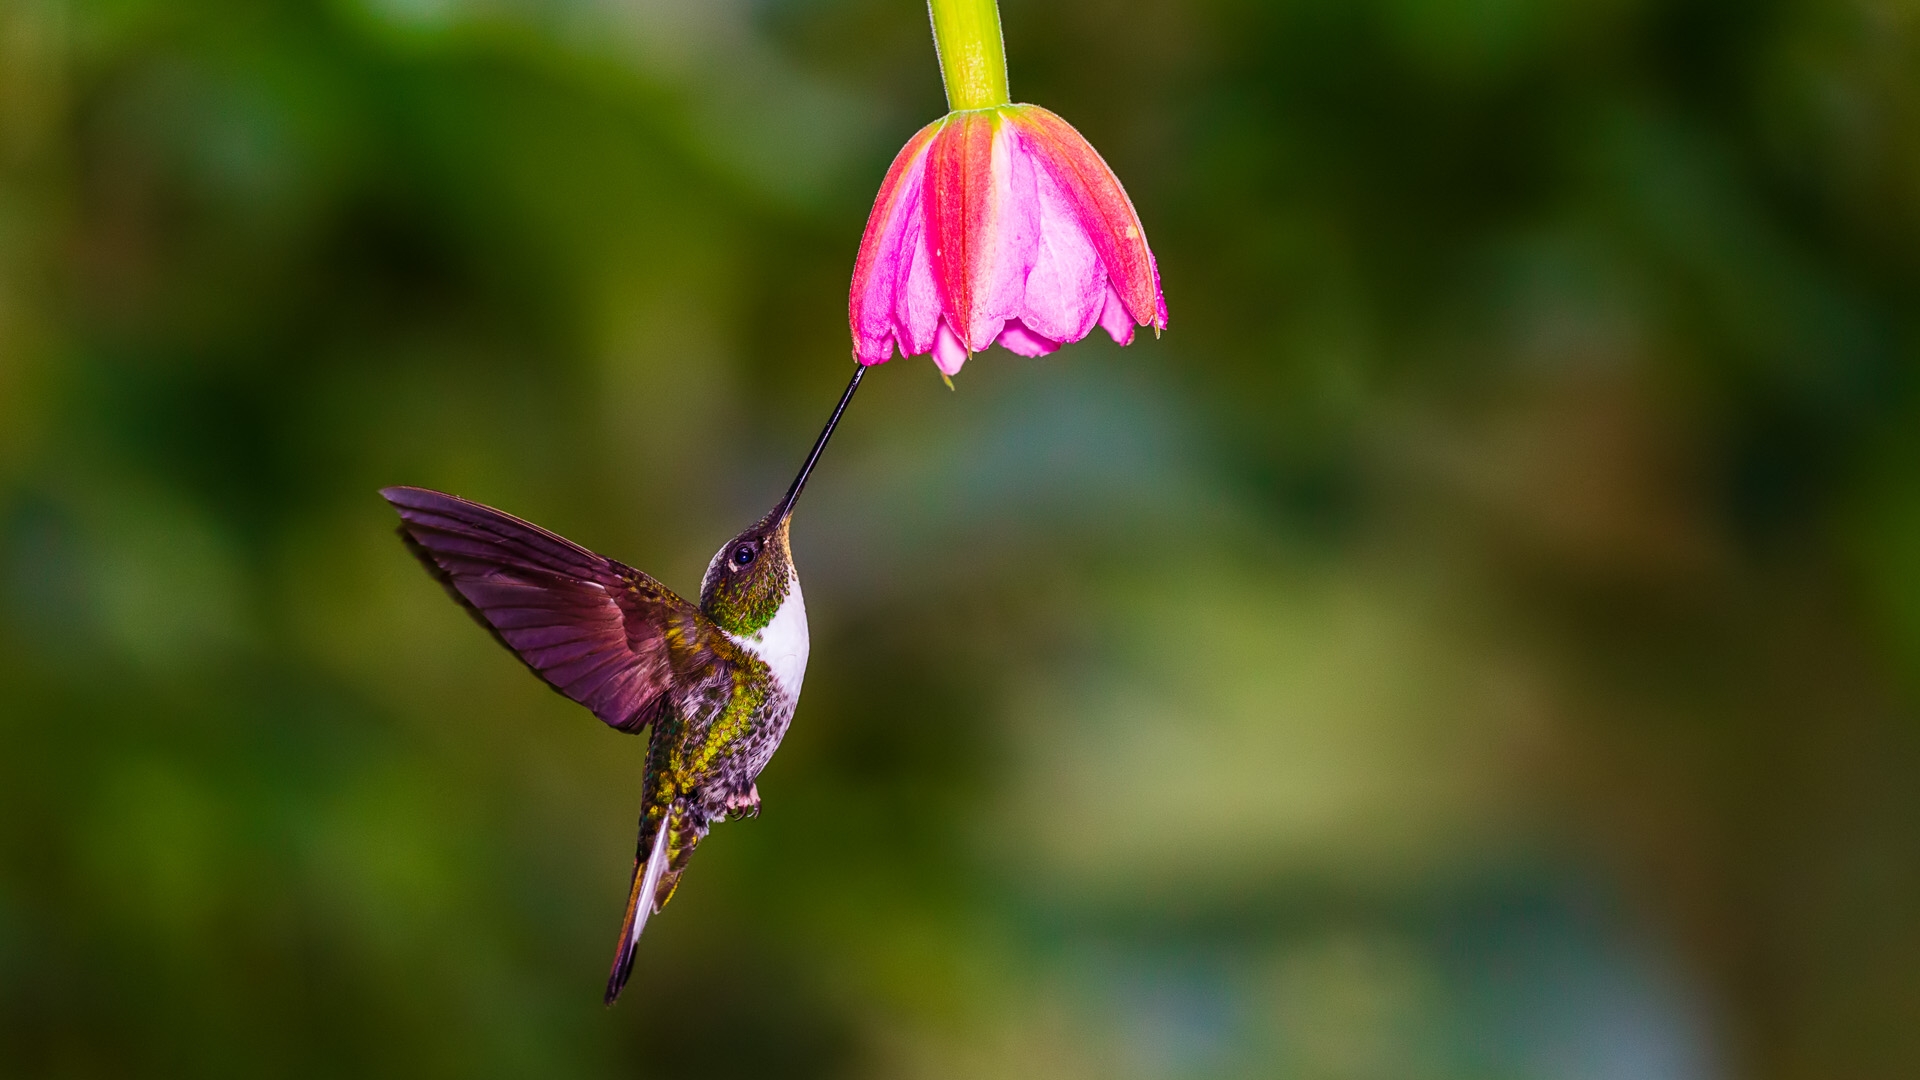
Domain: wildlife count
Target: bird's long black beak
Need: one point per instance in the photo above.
(800, 482)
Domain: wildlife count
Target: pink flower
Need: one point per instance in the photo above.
(999, 224)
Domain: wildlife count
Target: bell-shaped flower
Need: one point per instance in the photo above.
(999, 224)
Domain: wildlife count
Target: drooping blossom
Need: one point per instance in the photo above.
(999, 224)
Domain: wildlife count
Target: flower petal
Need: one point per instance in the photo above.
(885, 250)
(1006, 251)
(948, 352)
(1065, 289)
(1019, 338)
(958, 195)
(1115, 320)
(1104, 210)
(916, 299)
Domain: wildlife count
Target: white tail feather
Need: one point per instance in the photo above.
(641, 902)
(650, 882)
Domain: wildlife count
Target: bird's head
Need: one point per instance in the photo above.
(750, 577)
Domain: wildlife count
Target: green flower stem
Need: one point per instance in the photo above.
(973, 59)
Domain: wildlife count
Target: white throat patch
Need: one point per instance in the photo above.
(783, 643)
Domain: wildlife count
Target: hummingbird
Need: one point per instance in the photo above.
(714, 684)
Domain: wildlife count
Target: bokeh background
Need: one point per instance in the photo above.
(1480, 639)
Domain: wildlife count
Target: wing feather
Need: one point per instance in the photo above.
(594, 629)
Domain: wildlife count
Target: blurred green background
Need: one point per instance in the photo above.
(1480, 639)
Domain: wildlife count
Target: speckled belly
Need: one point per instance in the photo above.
(733, 772)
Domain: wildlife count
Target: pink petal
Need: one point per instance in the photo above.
(958, 196)
(948, 352)
(1066, 290)
(885, 249)
(1115, 320)
(916, 299)
(1018, 338)
(1105, 212)
(1005, 253)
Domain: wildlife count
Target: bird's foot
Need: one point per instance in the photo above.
(745, 805)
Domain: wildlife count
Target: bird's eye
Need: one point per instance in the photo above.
(743, 554)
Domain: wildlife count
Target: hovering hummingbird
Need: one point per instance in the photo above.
(716, 684)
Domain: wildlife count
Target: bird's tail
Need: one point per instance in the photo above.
(643, 900)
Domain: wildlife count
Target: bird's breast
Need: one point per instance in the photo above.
(782, 643)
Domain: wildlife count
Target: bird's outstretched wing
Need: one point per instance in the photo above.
(598, 631)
